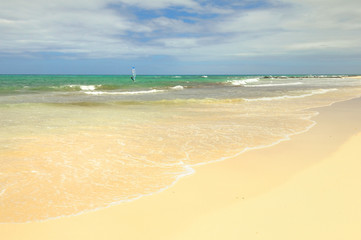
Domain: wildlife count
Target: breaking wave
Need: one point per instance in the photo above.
(240, 82)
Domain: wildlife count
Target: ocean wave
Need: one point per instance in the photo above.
(313, 92)
(84, 87)
(239, 82)
(178, 87)
(275, 84)
(125, 93)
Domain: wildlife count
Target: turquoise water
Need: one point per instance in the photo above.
(31, 83)
(93, 88)
(28, 83)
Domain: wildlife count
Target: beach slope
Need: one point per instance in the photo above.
(305, 188)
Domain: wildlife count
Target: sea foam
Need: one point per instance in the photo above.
(178, 87)
(85, 87)
(240, 82)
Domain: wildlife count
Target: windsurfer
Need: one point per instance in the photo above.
(134, 74)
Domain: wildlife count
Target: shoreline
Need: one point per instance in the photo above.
(355, 76)
(215, 186)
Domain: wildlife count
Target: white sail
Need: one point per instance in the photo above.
(134, 74)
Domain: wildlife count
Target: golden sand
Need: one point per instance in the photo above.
(359, 76)
(305, 188)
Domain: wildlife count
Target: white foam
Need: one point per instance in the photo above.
(282, 139)
(188, 170)
(275, 84)
(240, 82)
(178, 87)
(85, 87)
(314, 92)
(124, 93)
(88, 88)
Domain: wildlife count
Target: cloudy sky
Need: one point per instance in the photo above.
(180, 36)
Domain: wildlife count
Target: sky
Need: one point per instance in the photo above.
(180, 36)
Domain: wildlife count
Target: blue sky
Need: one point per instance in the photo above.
(180, 36)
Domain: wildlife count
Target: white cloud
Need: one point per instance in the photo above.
(159, 4)
(179, 42)
(171, 26)
(58, 27)
(107, 28)
(297, 28)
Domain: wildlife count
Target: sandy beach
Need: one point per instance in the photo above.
(180, 120)
(305, 188)
(354, 77)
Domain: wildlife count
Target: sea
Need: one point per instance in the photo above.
(76, 143)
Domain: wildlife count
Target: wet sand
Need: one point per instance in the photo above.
(305, 188)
